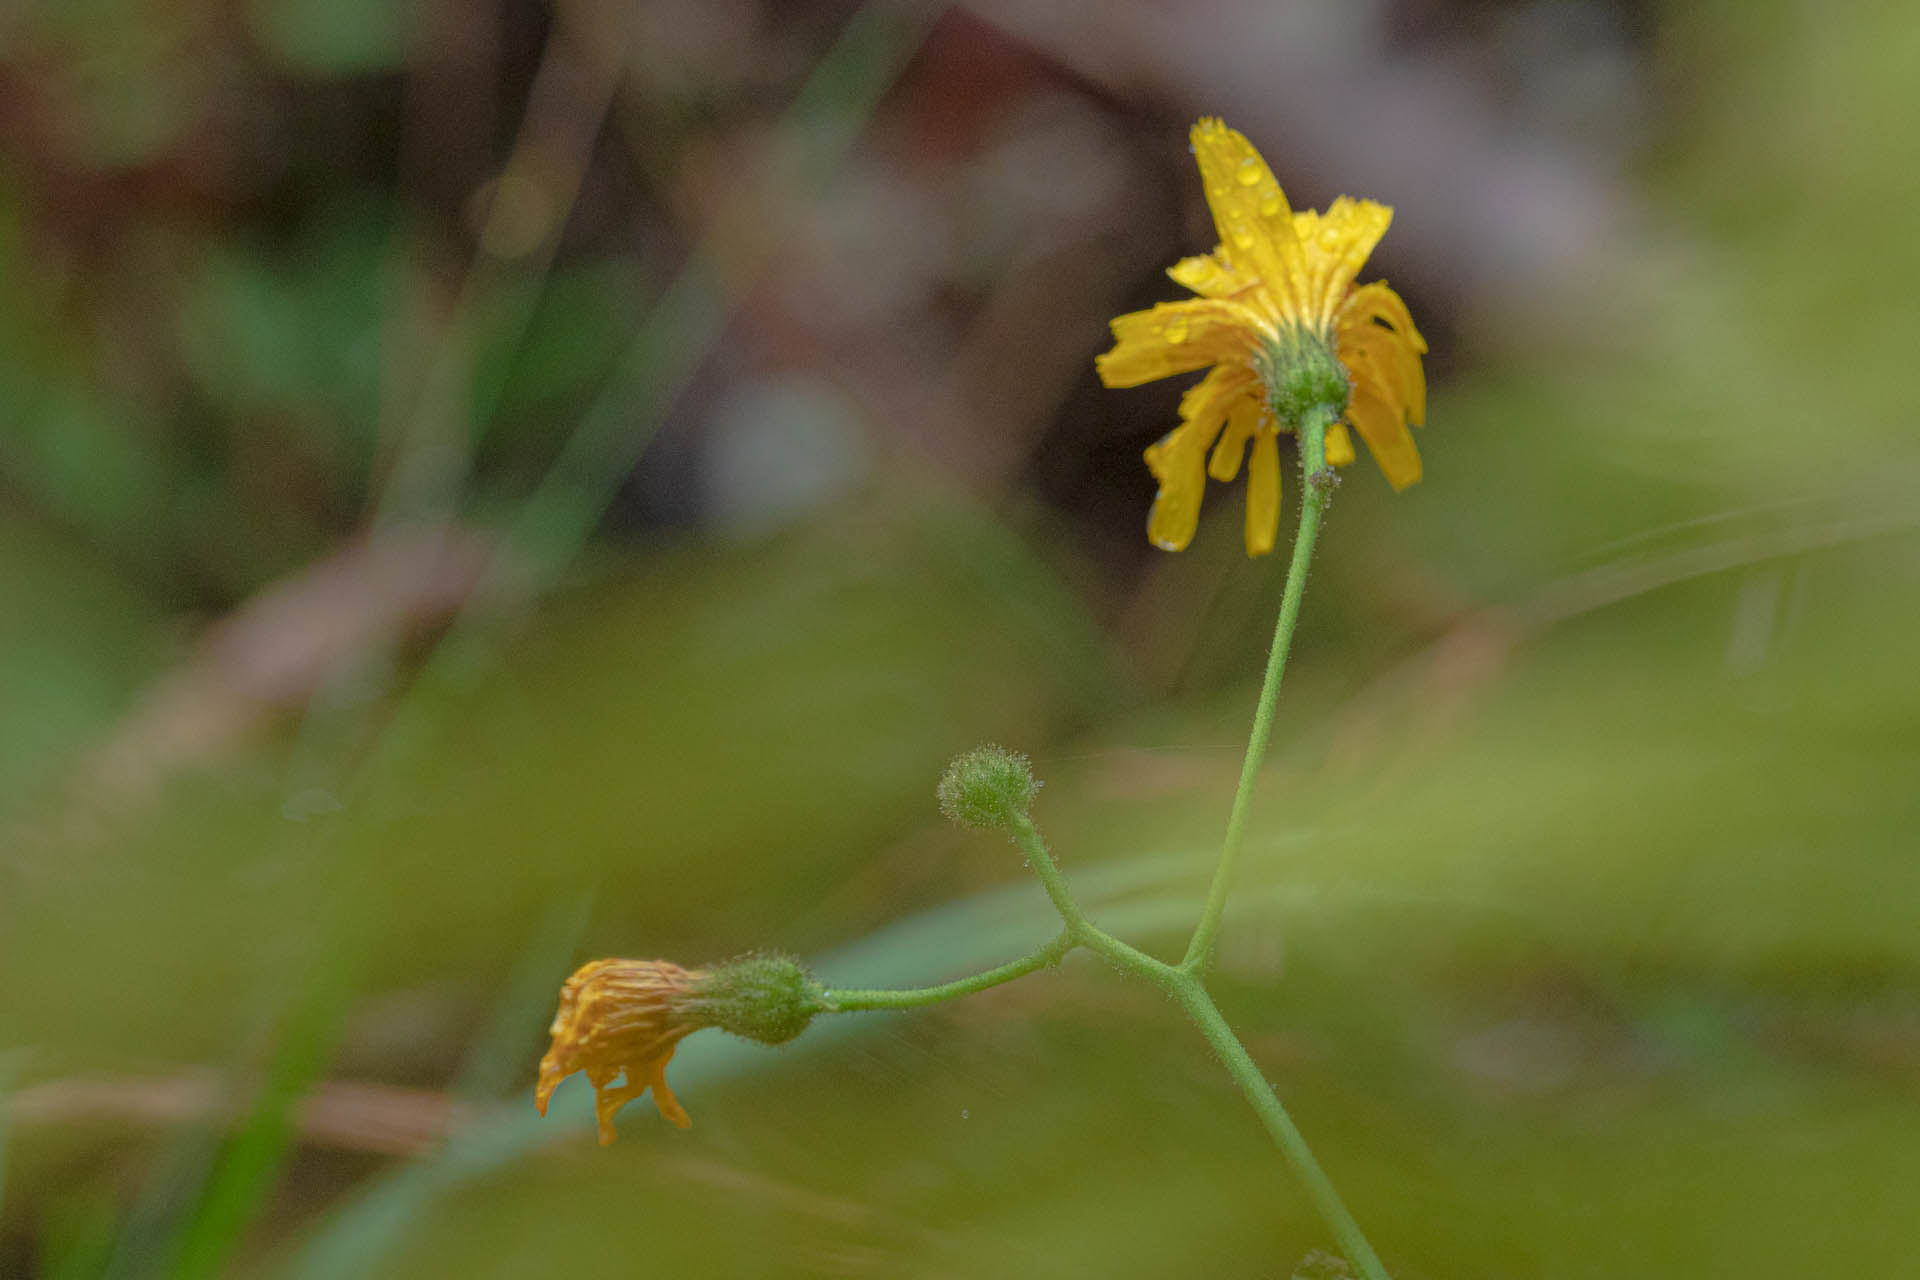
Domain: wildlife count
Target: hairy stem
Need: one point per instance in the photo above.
(1206, 1015)
(855, 1000)
(1313, 501)
(1186, 986)
(1027, 836)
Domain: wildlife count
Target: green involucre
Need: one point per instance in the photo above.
(989, 786)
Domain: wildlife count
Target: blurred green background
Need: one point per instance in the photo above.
(490, 483)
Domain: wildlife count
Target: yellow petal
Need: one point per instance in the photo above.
(1243, 419)
(1263, 493)
(1177, 459)
(1386, 434)
(1183, 482)
(1374, 310)
(1377, 302)
(1370, 351)
(1250, 212)
(1173, 337)
(1208, 275)
(1206, 403)
(1339, 446)
(1335, 245)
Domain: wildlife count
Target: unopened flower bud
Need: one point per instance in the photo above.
(989, 786)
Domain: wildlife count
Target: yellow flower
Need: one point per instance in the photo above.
(621, 1017)
(1277, 308)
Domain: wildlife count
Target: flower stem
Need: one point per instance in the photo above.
(855, 1000)
(1206, 1015)
(1081, 931)
(1313, 501)
(1184, 984)
(1027, 836)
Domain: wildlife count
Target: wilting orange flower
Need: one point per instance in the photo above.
(1277, 293)
(620, 1017)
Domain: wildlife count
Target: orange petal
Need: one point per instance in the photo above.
(663, 1096)
(609, 1098)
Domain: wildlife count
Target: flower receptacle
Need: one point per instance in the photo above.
(1302, 375)
(767, 997)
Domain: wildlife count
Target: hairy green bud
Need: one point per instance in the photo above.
(766, 997)
(989, 786)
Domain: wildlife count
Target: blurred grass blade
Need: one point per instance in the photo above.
(81, 1239)
(553, 522)
(250, 1163)
(817, 132)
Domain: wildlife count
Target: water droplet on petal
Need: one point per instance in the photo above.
(1243, 235)
(1270, 204)
(1329, 238)
(1177, 331)
(1249, 172)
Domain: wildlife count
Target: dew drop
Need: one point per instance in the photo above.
(1243, 235)
(1329, 239)
(1249, 172)
(1270, 204)
(1177, 332)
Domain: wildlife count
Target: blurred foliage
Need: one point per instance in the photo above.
(1577, 928)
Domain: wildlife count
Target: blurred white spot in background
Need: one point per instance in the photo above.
(778, 448)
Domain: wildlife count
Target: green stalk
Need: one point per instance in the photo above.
(1313, 501)
(1185, 982)
(1027, 836)
(856, 1000)
(1206, 1015)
